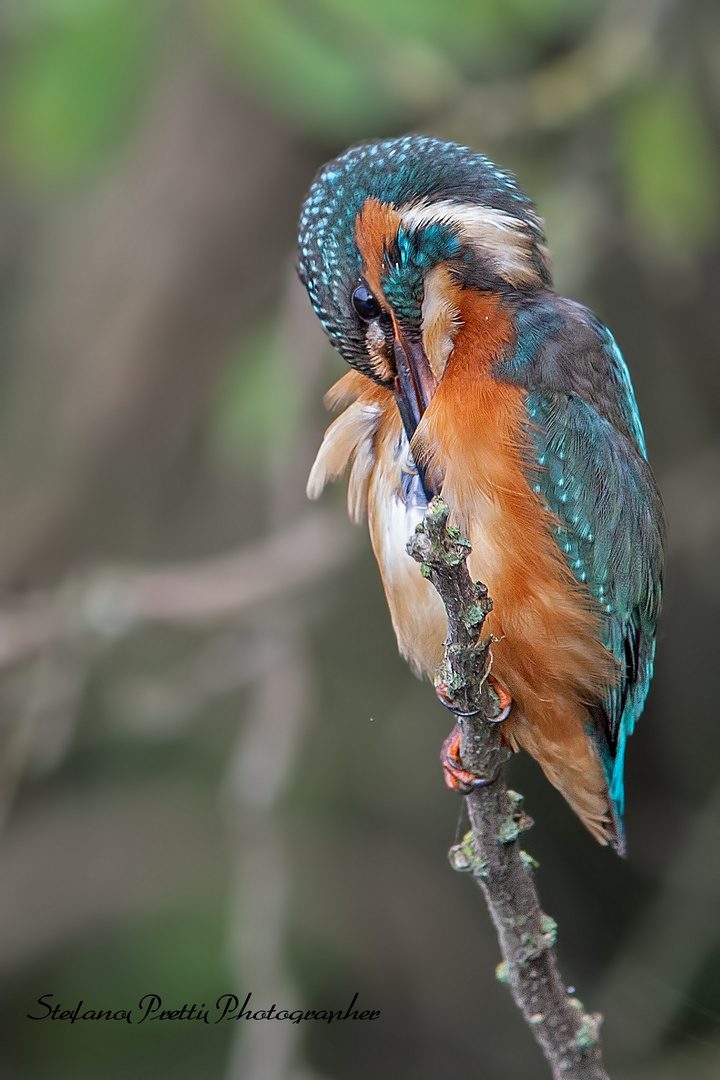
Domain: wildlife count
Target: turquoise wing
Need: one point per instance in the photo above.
(610, 529)
(589, 465)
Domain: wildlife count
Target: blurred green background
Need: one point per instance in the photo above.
(217, 775)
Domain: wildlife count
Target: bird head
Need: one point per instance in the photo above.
(390, 233)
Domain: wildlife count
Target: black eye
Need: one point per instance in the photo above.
(365, 303)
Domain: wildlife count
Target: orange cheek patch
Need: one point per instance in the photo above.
(376, 229)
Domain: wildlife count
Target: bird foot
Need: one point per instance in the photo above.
(456, 777)
(503, 697)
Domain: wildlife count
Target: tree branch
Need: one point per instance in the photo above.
(491, 850)
(112, 601)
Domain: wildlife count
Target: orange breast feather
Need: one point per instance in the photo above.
(473, 439)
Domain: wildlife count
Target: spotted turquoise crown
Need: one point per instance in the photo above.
(403, 171)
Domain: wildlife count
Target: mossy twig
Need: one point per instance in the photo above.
(491, 850)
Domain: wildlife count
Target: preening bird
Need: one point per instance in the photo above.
(473, 379)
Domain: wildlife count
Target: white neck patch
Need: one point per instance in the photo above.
(440, 318)
(504, 242)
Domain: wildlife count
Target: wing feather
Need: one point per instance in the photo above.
(590, 468)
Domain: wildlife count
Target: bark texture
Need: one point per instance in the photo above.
(491, 851)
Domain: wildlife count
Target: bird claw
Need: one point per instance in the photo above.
(504, 699)
(456, 777)
(440, 690)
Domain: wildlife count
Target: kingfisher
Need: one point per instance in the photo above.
(472, 379)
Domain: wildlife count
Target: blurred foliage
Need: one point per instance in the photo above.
(340, 69)
(178, 949)
(668, 166)
(628, 170)
(77, 70)
(258, 407)
(67, 92)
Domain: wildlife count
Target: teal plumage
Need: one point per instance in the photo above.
(591, 469)
(428, 269)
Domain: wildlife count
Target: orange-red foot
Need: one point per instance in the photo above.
(442, 695)
(456, 777)
(503, 697)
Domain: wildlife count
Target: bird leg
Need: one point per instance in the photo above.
(458, 778)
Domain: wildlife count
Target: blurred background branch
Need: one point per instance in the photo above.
(110, 603)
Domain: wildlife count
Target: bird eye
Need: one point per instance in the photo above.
(365, 303)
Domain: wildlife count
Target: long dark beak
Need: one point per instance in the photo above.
(415, 385)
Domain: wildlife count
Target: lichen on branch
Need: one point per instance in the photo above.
(491, 850)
